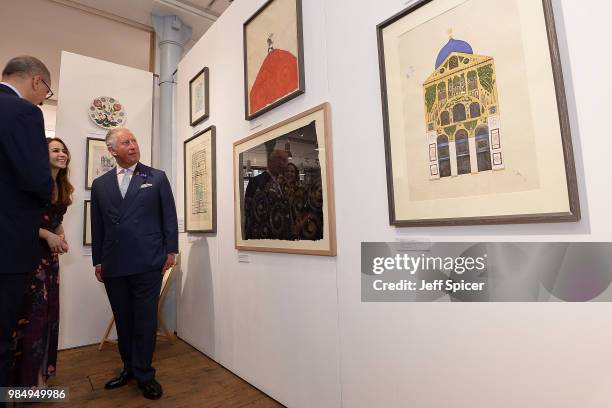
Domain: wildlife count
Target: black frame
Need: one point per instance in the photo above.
(566, 140)
(192, 121)
(213, 154)
(86, 203)
(300, 43)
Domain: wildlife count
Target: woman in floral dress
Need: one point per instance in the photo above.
(36, 335)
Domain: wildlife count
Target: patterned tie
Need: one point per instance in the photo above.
(125, 183)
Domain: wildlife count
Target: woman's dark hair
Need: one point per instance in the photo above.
(63, 194)
(297, 172)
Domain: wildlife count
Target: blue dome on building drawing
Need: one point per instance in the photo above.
(453, 46)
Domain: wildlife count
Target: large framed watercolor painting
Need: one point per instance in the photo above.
(273, 56)
(283, 188)
(200, 186)
(475, 117)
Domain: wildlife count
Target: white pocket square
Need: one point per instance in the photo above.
(146, 185)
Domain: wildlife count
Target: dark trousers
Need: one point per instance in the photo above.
(12, 292)
(134, 302)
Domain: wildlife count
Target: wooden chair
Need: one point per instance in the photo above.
(160, 319)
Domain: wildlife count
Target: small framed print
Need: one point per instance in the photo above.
(433, 170)
(497, 159)
(495, 141)
(87, 223)
(433, 156)
(200, 187)
(198, 97)
(98, 160)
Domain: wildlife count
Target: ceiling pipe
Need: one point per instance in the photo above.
(176, 4)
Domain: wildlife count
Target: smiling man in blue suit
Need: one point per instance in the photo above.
(134, 242)
(25, 185)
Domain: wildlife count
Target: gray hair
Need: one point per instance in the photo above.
(111, 136)
(25, 65)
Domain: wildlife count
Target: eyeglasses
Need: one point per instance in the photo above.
(49, 91)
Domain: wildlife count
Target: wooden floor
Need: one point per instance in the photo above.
(189, 379)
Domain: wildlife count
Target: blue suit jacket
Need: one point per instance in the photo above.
(25, 181)
(134, 234)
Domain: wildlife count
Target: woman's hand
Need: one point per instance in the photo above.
(64, 243)
(55, 242)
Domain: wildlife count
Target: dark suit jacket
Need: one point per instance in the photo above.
(25, 181)
(134, 234)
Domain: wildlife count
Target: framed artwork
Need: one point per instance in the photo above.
(273, 56)
(198, 97)
(283, 187)
(433, 152)
(98, 159)
(457, 77)
(87, 223)
(200, 186)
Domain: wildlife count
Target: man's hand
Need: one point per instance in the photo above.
(170, 261)
(99, 273)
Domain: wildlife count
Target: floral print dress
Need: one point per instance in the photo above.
(36, 335)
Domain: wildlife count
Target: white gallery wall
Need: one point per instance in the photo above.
(272, 321)
(85, 311)
(294, 325)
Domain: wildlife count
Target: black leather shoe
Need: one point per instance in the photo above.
(122, 379)
(151, 389)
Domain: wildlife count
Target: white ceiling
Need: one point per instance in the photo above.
(199, 14)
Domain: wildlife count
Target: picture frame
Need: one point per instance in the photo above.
(87, 223)
(283, 187)
(199, 169)
(98, 160)
(273, 56)
(199, 97)
(444, 84)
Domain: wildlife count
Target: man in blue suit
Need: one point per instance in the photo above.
(25, 186)
(134, 241)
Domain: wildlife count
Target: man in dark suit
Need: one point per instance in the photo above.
(25, 186)
(134, 241)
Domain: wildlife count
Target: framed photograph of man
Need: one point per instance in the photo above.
(98, 159)
(273, 56)
(198, 97)
(200, 186)
(475, 116)
(87, 223)
(283, 187)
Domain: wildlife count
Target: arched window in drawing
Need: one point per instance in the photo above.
(458, 112)
(472, 78)
(462, 149)
(445, 118)
(443, 156)
(474, 110)
(483, 149)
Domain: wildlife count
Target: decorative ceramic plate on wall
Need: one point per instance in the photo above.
(107, 112)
